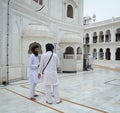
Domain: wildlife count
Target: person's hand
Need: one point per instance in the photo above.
(39, 75)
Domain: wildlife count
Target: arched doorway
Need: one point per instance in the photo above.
(108, 36)
(69, 53)
(79, 53)
(101, 36)
(94, 37)
(117, 54)
(33, 44)
(118, 35)
(87, 38)
(101, 54)
(107, 54)
(94, 54)
(79, 50)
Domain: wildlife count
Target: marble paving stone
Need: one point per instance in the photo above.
(81, 92)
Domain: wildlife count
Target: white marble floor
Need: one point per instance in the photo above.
(96, 91)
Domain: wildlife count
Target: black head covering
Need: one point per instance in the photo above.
(49, 47)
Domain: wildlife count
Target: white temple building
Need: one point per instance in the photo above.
(24, 23)
(102, 40)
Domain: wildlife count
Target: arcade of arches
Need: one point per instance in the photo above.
(69, 51)
(101, 37)
(105, 55)
(104, 38)
(70, 54)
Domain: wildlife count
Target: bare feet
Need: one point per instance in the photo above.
(59, 102)
(48, 102)
(33, 99)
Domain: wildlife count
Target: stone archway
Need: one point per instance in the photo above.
(101, 54)
(117, 54)
(33, 44)
(79, 50)
(108, 36)
(69, 52)
(101, 37)
(87, 38)
(108, 54)
(118, 35)
(94, 37)
(94, 54)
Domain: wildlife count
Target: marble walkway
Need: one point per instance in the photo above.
(96, 91)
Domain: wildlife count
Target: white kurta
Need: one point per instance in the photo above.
(50, 76)
(33, 63)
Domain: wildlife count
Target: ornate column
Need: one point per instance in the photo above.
(113, 36)
(113, 51)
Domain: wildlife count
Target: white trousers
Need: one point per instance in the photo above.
(32, 89)
(49, 89)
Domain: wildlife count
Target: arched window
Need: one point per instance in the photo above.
(101, 54)
(94, 37)
(79, 50)
(69, 50)
(33, 44)
(108, 54)
(94, 54)
(108, 36)
(118, 35)
(69, 53)
(87, 38)
(101, 37)
(117, 54)
(70, 11)
(39, 1)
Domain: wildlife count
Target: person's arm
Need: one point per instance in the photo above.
(32, 66)
(41, 66)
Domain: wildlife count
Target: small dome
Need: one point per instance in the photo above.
(71, 38)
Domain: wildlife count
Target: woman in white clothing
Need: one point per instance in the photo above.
(50, 60)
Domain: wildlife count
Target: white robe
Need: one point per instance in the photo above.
(50, 76)
(33, 63)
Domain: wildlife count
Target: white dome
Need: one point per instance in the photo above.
(71, 38)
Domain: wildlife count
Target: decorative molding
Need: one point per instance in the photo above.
(71, 2)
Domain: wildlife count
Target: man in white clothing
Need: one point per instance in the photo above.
(34, 64)
(90, 61)
(50, 78)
